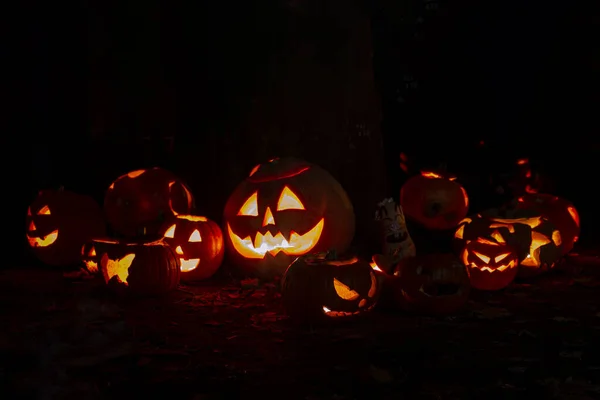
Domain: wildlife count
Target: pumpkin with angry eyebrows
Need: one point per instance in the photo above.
(284, 209)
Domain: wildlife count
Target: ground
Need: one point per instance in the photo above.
(70, 338)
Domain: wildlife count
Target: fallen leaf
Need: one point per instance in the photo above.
(380, 375)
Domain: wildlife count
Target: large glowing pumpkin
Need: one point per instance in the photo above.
(434, 201)
(59, 223)
(139, 202)
(492, 264)
(284, 209)
(559, 211)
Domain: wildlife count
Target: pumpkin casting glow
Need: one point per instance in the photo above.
(284, 209)
(492, 265)
(198, 242)
(316, 288)
(59, 223)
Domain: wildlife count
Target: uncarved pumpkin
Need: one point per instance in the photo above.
(434, 201)
(139, 202)
(59, 223)
(284, 209)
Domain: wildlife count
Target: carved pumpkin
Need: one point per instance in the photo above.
(59, 222)
(536, 240)
(198, 242)
(150, 268)
(139, 202)
(90, 258)
(492, 265)
(559, 211)
(284, 209)
(431, 284)
(316, 288)
(434, 201)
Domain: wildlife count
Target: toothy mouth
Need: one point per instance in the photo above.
(188, 265)
(294, 245)
(43, 241)
(490, 270)
(333, 314)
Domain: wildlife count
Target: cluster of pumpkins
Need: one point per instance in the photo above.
(282, 220)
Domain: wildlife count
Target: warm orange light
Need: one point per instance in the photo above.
(195, 236)
(44, 211)
(533, 258)
(254, 170)
(375, 266)
(344, 291)
(465, 196)
(431, 175)
(574, 214)
(530, 189)
(296, 245)
(486, 241)
(135, 174)
(523, 161)
(268, 219)
(482, 257)
(43, 241)
(250, 207)
(289, 201)
(91, 266)
(170, 233)
(118, 268)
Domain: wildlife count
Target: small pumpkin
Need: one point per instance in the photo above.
(198, 243)
(150, 268)
(492, 265)
(434, 201)
(315, 288)
(536, 239)
(431, 284)
(139, 202)
(285, 208)
(559, 212)
(59, 223)
(90, 258)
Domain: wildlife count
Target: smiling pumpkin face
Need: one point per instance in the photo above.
(492, 264)
(59, 223)
(198, 242)
(285, 208)
(318, 289)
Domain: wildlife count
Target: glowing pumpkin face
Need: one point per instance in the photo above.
(559, 212)
(143, 268)
(198, 242)
(90, 258)
(284, 209)
(317, 288)
(59, 223)
(431, 284)
(435, 201)
(139, 202)
(492, 265)
(536, 240)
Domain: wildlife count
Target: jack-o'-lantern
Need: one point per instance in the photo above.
(59, 222)
(536, 239)
(150, 268)
(434, 201)
(492, 264)
(90, 258)
(559, 211)
(198, 243)
(138, 203)
(285, 208)
(316, 287)
(431, 284)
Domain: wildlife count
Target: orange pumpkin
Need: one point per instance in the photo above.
(198, 242)
(434, 201)
(560, 212)
(284, 209)
(492, 265)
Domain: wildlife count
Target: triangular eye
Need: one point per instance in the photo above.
(44, 211)
(250, 207)
(170, 233)
(501, 257)
(29, 211)
(483, 258)
(195, 236)
(344, 291)
(289, 201)
(92, 252)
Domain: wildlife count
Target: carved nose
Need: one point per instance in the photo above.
(268, 220)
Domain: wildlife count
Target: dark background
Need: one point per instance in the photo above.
(208, 90)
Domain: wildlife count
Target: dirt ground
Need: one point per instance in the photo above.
(70, 338)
